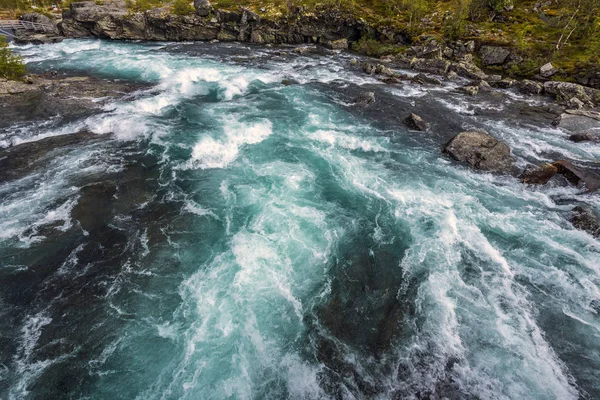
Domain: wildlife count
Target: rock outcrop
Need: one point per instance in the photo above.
(331, 28)
(481, 151)
(563, 92)
(578, 120)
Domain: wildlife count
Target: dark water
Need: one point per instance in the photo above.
(237, 238)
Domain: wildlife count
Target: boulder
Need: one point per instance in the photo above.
(378, 69)
(365, 99)
(527, 86)
(493, 55)
(415, 123)
(578, 176)
(470, 90)
(423, 79)
(505, 83)
(582, 137)
(203, 7)
(340, 44)
(539, 175)
(547, 70)
(585, 219)
(481, 151)
(432, 66)
(565, 91)
(576, 104)
(468, 70)
(578, 120)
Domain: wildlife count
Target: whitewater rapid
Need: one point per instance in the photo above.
(238, 238)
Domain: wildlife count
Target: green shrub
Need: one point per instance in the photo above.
(182, 7)
(455, 23)
(11, 66)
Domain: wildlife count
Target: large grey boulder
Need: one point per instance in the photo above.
(432, 66)
(203, 7)
(468, 70)
(579, 120)
(530, 87)
(493, 55)
(547, 70)
(481, 151)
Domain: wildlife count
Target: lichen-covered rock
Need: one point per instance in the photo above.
(415, 123)
(565, 91)
(468, 70)
(481, 151)
(527, 86)
(470, 90)
(203, 7)
(339, 44)
(432, 66)
(423, 79)
(547, 70)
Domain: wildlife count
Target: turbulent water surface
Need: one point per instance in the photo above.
(231, 237)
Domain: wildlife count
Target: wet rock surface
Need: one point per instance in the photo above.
(481, 151)
(585, 219)
(50, 96)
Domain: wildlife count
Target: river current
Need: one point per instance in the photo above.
(231, 237)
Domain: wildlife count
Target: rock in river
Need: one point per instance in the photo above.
(585, 219)
(481, 151)
(415, 123)
(539, 175)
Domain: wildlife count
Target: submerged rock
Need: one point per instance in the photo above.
(584, 218)
(415, 123)
(578, 176)
(481, 151)
(365, 99)
(539, 175)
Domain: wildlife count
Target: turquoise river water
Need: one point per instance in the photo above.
(236, 238)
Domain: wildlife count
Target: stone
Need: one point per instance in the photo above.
(365, 99)
(415, 123)
(578, 176)
(470, 90)
(527, 86)
(565, 91)
(423, 79)
(203, 7)
(451, 76)
(432, 66)
(302, 50)
(340, 44)
(578, 120)
(585, 219)
(575, 104)
(378, 69)
(582, 137)
(481, 151)
(468, 70)
(547, 70)
(539, 175)
(493, 55)
(505, 83)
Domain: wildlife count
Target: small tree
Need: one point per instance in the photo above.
(11, 66)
